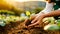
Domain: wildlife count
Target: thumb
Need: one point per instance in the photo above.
(33, 24)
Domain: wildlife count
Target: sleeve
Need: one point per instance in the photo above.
(48, 8)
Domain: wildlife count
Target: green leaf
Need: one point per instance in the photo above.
(51, 27)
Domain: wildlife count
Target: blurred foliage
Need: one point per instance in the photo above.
(53, 24)
(37, 10)
(6, 12)
(6, 6)
(58, 22)
(16, 10)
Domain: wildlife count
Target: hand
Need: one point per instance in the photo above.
(37, 21)
(36, 17)
(33, 16)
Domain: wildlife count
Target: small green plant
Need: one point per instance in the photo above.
(52, 24)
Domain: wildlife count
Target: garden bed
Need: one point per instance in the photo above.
(19, 28)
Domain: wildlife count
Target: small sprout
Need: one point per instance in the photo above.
(27, 13)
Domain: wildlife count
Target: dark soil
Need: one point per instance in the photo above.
(19, 28)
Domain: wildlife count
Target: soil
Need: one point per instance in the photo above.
(19, 28)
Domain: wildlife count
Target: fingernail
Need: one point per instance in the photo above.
(31, 22)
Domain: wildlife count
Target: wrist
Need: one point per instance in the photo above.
(44, 15)
(41, 13)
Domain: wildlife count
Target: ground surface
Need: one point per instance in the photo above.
(19, 28)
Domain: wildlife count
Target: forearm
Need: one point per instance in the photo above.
(53, 13)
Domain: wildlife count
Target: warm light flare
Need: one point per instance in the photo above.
(22, 0)
(14, 1)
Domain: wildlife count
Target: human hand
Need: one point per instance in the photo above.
(36, 21)
(33, 16)
(36, 17)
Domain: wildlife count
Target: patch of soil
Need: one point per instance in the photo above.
(19, 28)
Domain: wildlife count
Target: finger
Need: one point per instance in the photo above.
(34, 20)
(34, 24)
